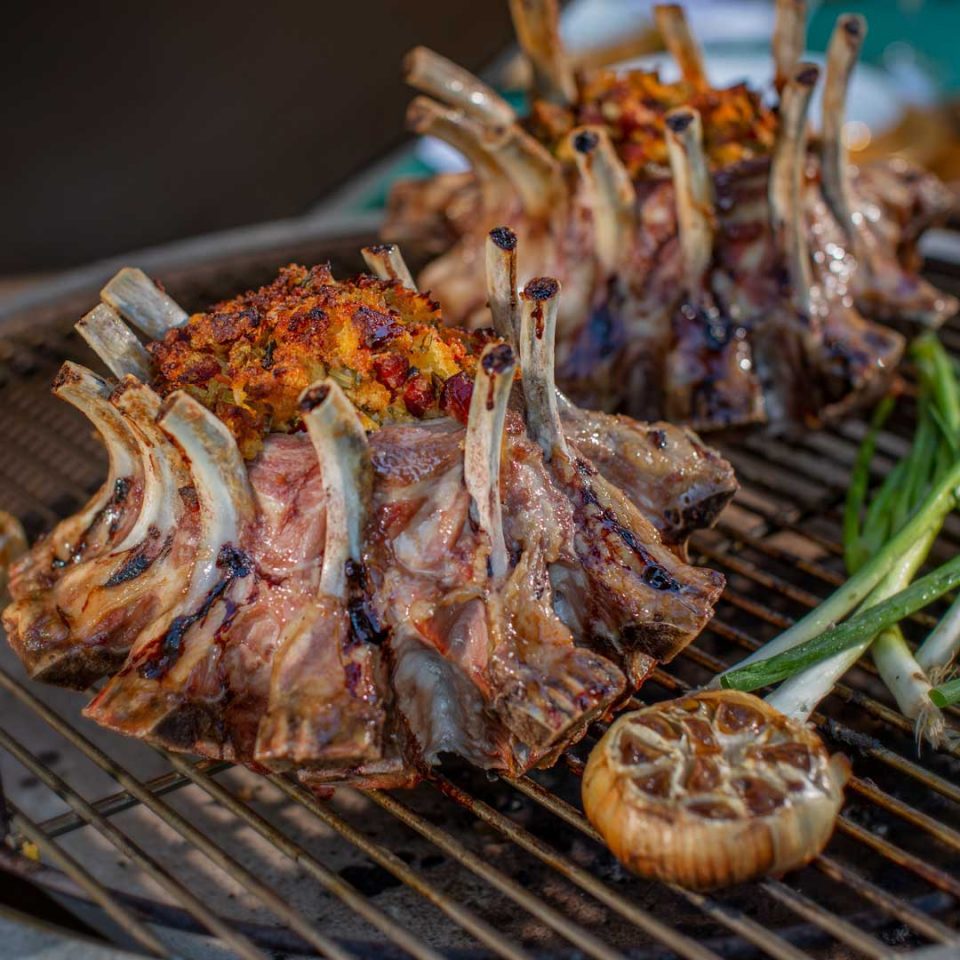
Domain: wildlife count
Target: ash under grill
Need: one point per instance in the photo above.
(198, 859)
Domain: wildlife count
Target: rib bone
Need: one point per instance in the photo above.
(538, 329)
(442, 78)
(341, 446)
(97, 525)
(679, 40)
(537, 24)
(429, 118)
(842, 56)
(135, 296)
(534, 173)
(114, 343)
(325, 705)
(143, 695)
(218, 470)
(611, 193)
(694, 195)
(484, 440)
(787, 176)
(387, 263)
(789, 39)
(84, 625)
(90, 394)
(501, 262)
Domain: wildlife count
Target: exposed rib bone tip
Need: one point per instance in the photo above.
(504, 238)
(387, 263)
(70, 373)
(541, 288)
(853, 24)
(537, 24)
(678, 120)
(434, 74)
(114, 343)
(135, 296)
(679, 40)
(180, 404)
(411, 61)
(498, 359)
(585, 141)
(807, 74)
(313, 396)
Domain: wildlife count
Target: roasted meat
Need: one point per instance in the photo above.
(317, 577)
(718, 270)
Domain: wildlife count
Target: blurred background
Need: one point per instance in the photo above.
(131, 125)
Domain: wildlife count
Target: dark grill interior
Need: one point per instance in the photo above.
(161, 853)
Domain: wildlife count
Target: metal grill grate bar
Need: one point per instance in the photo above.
(233, 868)
(923, 923)
(734, 920)
(327, 878)
(465, 918)
(120, 801)
(87, 814)
(97, 892)
(588, 943)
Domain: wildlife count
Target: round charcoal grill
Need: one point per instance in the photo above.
(173, 857)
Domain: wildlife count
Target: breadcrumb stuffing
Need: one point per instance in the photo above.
(248, 359)
(632, 105)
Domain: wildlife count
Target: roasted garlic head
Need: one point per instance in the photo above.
(712, 789)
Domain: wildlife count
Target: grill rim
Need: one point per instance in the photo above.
(192, 262)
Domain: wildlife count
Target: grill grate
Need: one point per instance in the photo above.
(196, 859)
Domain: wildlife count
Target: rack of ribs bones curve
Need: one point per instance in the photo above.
(720, 268)
(342, 538)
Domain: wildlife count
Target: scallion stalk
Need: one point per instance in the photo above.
(947, 693)
(862, 627)
(854, 553)
(928, 516)
(799, 696)
(942, 643)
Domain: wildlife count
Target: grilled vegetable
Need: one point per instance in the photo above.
(713, 789)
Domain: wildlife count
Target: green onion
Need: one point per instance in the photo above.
(842, 637)
(928, 516)
(859, 483)
(942, 643)
(799, 696)
(947, 693)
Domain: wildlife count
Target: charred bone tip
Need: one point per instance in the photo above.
(541, 289)
(807, 74)
(585, 141)
(386, 262)
(504, 238)
(498, 359)
(313, 397)
(70, 374)
(854, 25)
(678, 120)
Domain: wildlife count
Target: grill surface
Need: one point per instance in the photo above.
(178, 858)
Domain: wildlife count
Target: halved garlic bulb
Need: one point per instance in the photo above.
(713, 789)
